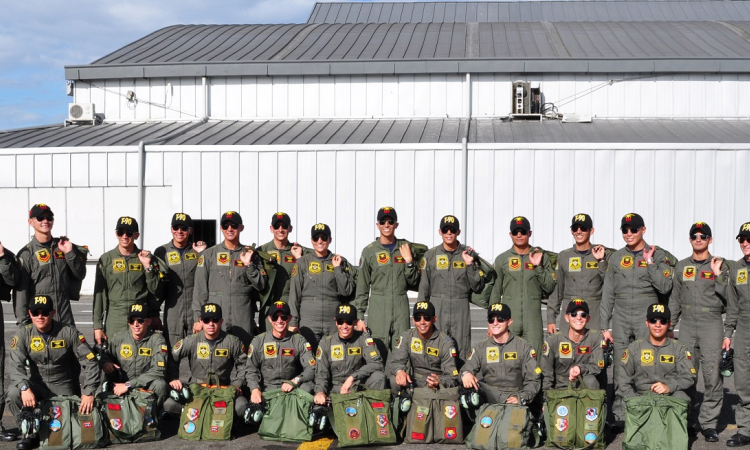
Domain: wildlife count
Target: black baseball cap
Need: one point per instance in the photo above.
(632, 220)
(501, 310)
(182, 219)
(232, 217)
(127, 223)
(346, 312)
(424, 308)
(744, 230)
(577, 304)
(583, 220)
(138, 310)
(658, 310)
(279, 307)
(520, 222)
(40, 209)
(41, 303)
(387, 211)
(320, 228)
(700, 227)
(211, 311)
(281, 217)
(450, 222)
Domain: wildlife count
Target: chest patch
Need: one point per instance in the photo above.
(59, 255)
(566, 350)
(191, 256)
(126, 351)
(337, 352)
(314, 267)
(287, 352)
(592, 265)
(399, 260)
(173, 258)
(514, 264)
(493, 354)
(666, 359)
(57, 344)
(135, 267)
(144, 352)
(688, 273)
(289, 259)
(707, 275)
(626, 261)
(329, 267)
(353, 351)
(742, 276)
(43, 256)
(203, 351)
(275, 255)
(583, 350)
(441, 262)
(221, 352)
(510, 355)
(574, 264)
(416, 346)
(647, 356)
(118, 265)
(270, 351)
(383, 258)
(642, 263)
(433, 351)
(459, 265)
(222, 259)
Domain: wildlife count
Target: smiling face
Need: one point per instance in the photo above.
(498, 328)
(658, 330)
(279, 323)
(449, 235)
(231, 231)
(632, 239)
(581, 234)
(575, 320)
(699, 244)
(139, 329)
(387, 226)
(41, 322)
(320, 243)
(125, 241)
(280, 233)
(212, 328)
(181, 234)
(42, 224)
(423, 323)
(520, 239)
(345, 329)
(745, 246)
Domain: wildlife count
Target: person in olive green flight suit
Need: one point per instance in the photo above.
(9, 276)
(386, 270)
(449, 276)
(124, 276)
(286, 254)
(524, 275)
(137, 358)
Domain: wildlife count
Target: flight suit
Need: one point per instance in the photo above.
(421, 358)
(579, 275)
(282, 281)
(143, 363)
(9, 276)
(630, 286)
(317, 289)
(43, 364)
(734, 287)
(122, 281)
(560, 354)
(338, 359)
(694, 299)
(224, 358)
(383, 279)
(178, 292)
(448, 283)
(507, 370)
(222, 278)
(521, 286)
(45, 270)
(273, 362)
(644, 364)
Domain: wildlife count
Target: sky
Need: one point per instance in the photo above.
(38, 38)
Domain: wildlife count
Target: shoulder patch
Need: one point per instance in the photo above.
(177, 345)
(545, 348)
(625, 356)
(538, 371)
(13, 342)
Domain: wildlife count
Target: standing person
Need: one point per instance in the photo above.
(386, 270)
(9, 276)
(125, 275)
(449, 276)
(524, 275)
(320, 283)
(48, 266)
(734, 287)
(636, 275)
(227, 274)
(695, 300)
(580, 274)
(181, 256)
(286, 254)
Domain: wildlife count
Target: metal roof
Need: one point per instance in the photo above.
(526, 11)
(384, 131)
(498, 47)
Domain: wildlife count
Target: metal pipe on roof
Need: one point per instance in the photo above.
(142, 171)
(465, 153)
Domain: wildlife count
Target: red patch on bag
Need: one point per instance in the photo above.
(87, 424)
(417, 436)
(220, 404)
(377, 405)
(113, 406)
(214, 429)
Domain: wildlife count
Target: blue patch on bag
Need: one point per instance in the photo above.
(486, 422)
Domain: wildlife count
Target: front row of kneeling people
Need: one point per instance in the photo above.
(45, 354)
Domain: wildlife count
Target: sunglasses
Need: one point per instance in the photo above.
(320, 237)
(133, 320)
(580, 228)
(518, 231)
(632, 230)
(492, 319)
(581, 314)
(228, 225)
(47, 218)
(448, 230)
(389, 222)
(180, 228)
(344, 321)
(421, 317)
(278, 225)
(208, 320)
(39, 312)
(654, 320)
(742, 239)
(704, 237)
(127, 233)
(282, 317)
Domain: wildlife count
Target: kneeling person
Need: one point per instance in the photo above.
(211, 352)
(347, 360)
(42, 355)
(507, 363)
(136, 358)
(575, 352)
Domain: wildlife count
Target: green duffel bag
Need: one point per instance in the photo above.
(131, 418)
(502, 426)
(417, 252)
(434, 417)
(191, 418)
(218, 415)
(363, 418)
(575, 418)
(62, 427)
(482, 299)
(286, 417)
(655, 422)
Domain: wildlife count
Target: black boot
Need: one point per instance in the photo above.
(28, 443)
(710, 434)
(8, 435)
(738, 440)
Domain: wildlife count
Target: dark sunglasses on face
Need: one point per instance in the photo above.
(581, 314)
(227, 225)
(278, 225)
(448, 230)
(421, 317)
(388, 221)
(282, 317)
(210, 320)
(320, 237)
(661, 320)
(344, 321)
(632, 230)
(704, 237)
(127, 233)
(742, 239)
(492, 319)
(39, 312)
(180, 228)
(580, 228)
(133, 320)
(47, 218)
(518, 231)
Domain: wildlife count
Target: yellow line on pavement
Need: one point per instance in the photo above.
(320, 444)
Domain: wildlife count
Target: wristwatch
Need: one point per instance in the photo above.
(24, 387)
(410, 265)
(127, 384)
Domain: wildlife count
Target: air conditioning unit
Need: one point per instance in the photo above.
(81, 112)
(525, 101)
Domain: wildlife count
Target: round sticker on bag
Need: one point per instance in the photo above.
(562, 410)
(189, 427)
(55, 425)
(486, 422)
(350, 411)
(590, 438)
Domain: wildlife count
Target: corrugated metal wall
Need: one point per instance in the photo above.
(688, 95)
(343, 187)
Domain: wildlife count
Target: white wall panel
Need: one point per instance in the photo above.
(191, 184)
(345, 197)
(425, 225)
(7, 171)
(14, 228)
(211, 186)
(285, 186)
(307, 194)
(98, 169)
(281, 100)
(116, 169)
(268, 188)
(25, 170)
(43, 170)
(249, 192)
(366, 186)
(61, 170)
(87, 224)
(405, 195)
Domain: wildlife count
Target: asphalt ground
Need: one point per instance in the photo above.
(246, 438)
